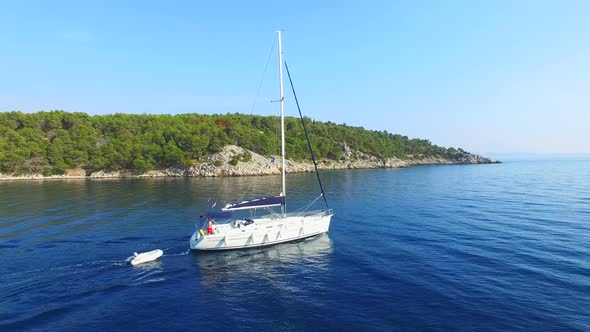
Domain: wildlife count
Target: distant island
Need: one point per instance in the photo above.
(59, 144)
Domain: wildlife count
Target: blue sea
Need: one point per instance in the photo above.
(432, 248)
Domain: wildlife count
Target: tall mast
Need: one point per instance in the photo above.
(282, 100)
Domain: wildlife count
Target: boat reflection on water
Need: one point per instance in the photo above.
(271, 262)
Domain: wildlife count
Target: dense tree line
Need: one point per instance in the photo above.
(51, 142)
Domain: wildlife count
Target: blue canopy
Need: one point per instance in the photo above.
(256, 203)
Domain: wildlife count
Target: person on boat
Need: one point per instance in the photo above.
(210, 227)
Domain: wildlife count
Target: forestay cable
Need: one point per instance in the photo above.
(307, 136)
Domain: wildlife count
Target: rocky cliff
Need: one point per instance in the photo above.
(235, 161)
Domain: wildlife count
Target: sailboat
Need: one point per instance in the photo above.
(221, 231)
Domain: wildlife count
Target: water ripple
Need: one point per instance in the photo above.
(462, 248)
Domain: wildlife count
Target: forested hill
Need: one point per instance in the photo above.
(51, 142)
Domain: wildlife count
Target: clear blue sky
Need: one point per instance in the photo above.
(488, 76)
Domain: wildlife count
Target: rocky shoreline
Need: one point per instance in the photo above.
(235, 161)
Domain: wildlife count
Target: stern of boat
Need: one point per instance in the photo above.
(196, 238)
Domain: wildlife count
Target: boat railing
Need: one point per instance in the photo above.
(308, 213)
(272, 215)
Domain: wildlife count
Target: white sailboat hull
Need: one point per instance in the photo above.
(263, 232)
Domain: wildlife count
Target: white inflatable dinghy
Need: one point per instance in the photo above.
(145, 257)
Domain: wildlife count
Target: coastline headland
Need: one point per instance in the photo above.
(226, 164)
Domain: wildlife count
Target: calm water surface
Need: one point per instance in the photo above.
(490, 247)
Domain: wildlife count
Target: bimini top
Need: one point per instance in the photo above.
(256, 203)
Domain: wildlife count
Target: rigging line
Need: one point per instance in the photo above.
(270, 52)
(178, 245)
(272, 47)
(307, 136)
(304, 208)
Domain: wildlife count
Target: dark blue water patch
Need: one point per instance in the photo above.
(56, 243)
(37, 318)
(495, 248)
